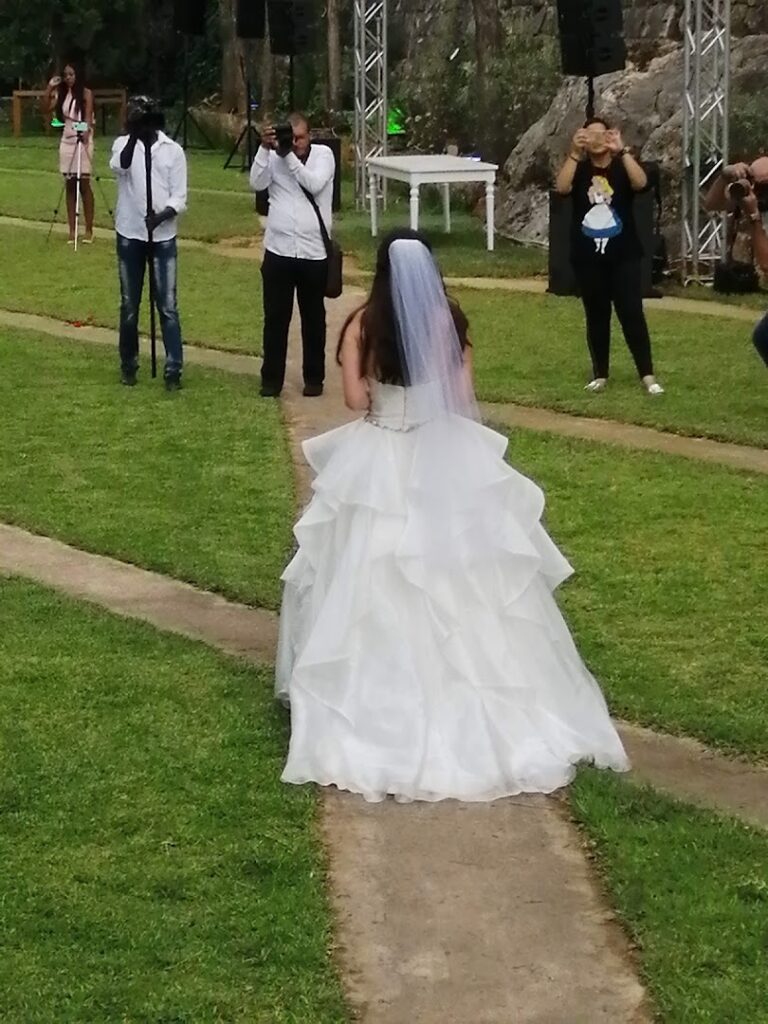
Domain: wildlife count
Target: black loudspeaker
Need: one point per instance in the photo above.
(333, 142)
(562, 280)
(251, 18)
(291, 26)
(591, 37)
(189, 17)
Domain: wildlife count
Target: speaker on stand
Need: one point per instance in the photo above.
(250, 19)
(591, 40)
(189, 19)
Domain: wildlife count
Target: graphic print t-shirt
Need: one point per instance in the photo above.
(603, 225)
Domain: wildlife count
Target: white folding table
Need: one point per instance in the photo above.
(416, 171)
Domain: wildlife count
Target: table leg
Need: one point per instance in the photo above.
(414, 207)
(490, 213)
(373, 197)
(447, 207)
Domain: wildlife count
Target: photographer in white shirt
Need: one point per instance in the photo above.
(295, 261)
(169, 199)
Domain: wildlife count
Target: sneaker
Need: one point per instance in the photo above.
(173, 383)
(596, 385)
(128, 378)
(269, 391)
(313, 390)
(652, 386)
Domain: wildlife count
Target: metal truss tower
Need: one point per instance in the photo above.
(371, 105)
(707, 72)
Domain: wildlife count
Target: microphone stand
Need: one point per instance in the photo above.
(151, 258)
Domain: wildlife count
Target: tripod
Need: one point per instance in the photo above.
(188, 116)
(76, 164)
(249, 134)
(590, 98)
(151, 258)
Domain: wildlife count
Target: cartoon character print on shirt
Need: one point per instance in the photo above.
(601, 222)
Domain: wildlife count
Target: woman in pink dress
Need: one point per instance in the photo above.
(71, 103)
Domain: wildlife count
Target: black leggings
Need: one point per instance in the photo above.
(616, 284)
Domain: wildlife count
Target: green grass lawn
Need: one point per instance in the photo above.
(667, 602)
(692, 891)
(219, 298)
(197, 485)
(30, 187)
(528, 348)
(153, 866)
(531, 349)
(752, 300)
(668, 552)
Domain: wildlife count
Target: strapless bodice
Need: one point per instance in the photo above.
(394, 407)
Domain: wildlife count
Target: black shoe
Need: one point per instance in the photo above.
(128, 378)
(173, 383)
(313, 390)
(270, 391)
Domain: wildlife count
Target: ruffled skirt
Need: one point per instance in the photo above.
(421, 651)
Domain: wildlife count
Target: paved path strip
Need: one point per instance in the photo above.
(356, 276)
(506, 415)
(455, 913)
(682, 767)
(139, 594)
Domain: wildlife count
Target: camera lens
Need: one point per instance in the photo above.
(737, 190)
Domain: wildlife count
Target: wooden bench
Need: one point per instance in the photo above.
(102, 98)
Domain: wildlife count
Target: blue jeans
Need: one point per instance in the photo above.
(131, 261)
(760, 338)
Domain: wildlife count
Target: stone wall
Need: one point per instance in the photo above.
(650, 25)
(644, 20)
(646, 103)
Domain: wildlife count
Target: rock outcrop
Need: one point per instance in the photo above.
(646, 102)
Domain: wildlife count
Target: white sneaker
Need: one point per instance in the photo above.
(654, 388)
(598, 384)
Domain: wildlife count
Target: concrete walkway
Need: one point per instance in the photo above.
(361, 278)
(504, 415)
(682, 767)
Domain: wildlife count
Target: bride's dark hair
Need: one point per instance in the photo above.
(379, 350)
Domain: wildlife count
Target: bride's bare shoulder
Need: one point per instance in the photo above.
(353, 328)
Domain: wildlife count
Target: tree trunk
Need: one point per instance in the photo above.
(333, 14)
(232, 84)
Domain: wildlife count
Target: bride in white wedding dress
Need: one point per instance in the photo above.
(421, 649)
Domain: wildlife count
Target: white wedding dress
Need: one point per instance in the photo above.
(429, 660)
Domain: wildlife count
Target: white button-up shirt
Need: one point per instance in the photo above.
(292, 227)
(169, 187)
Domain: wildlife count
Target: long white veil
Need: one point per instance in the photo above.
(430, 350)
(452, 459)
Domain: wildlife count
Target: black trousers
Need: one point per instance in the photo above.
(282, 277)
(618, 285)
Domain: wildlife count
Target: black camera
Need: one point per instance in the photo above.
(144, 114)
(738, 190)
(284, 135)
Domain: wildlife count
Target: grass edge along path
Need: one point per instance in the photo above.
(691, 890)
(154, 865)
